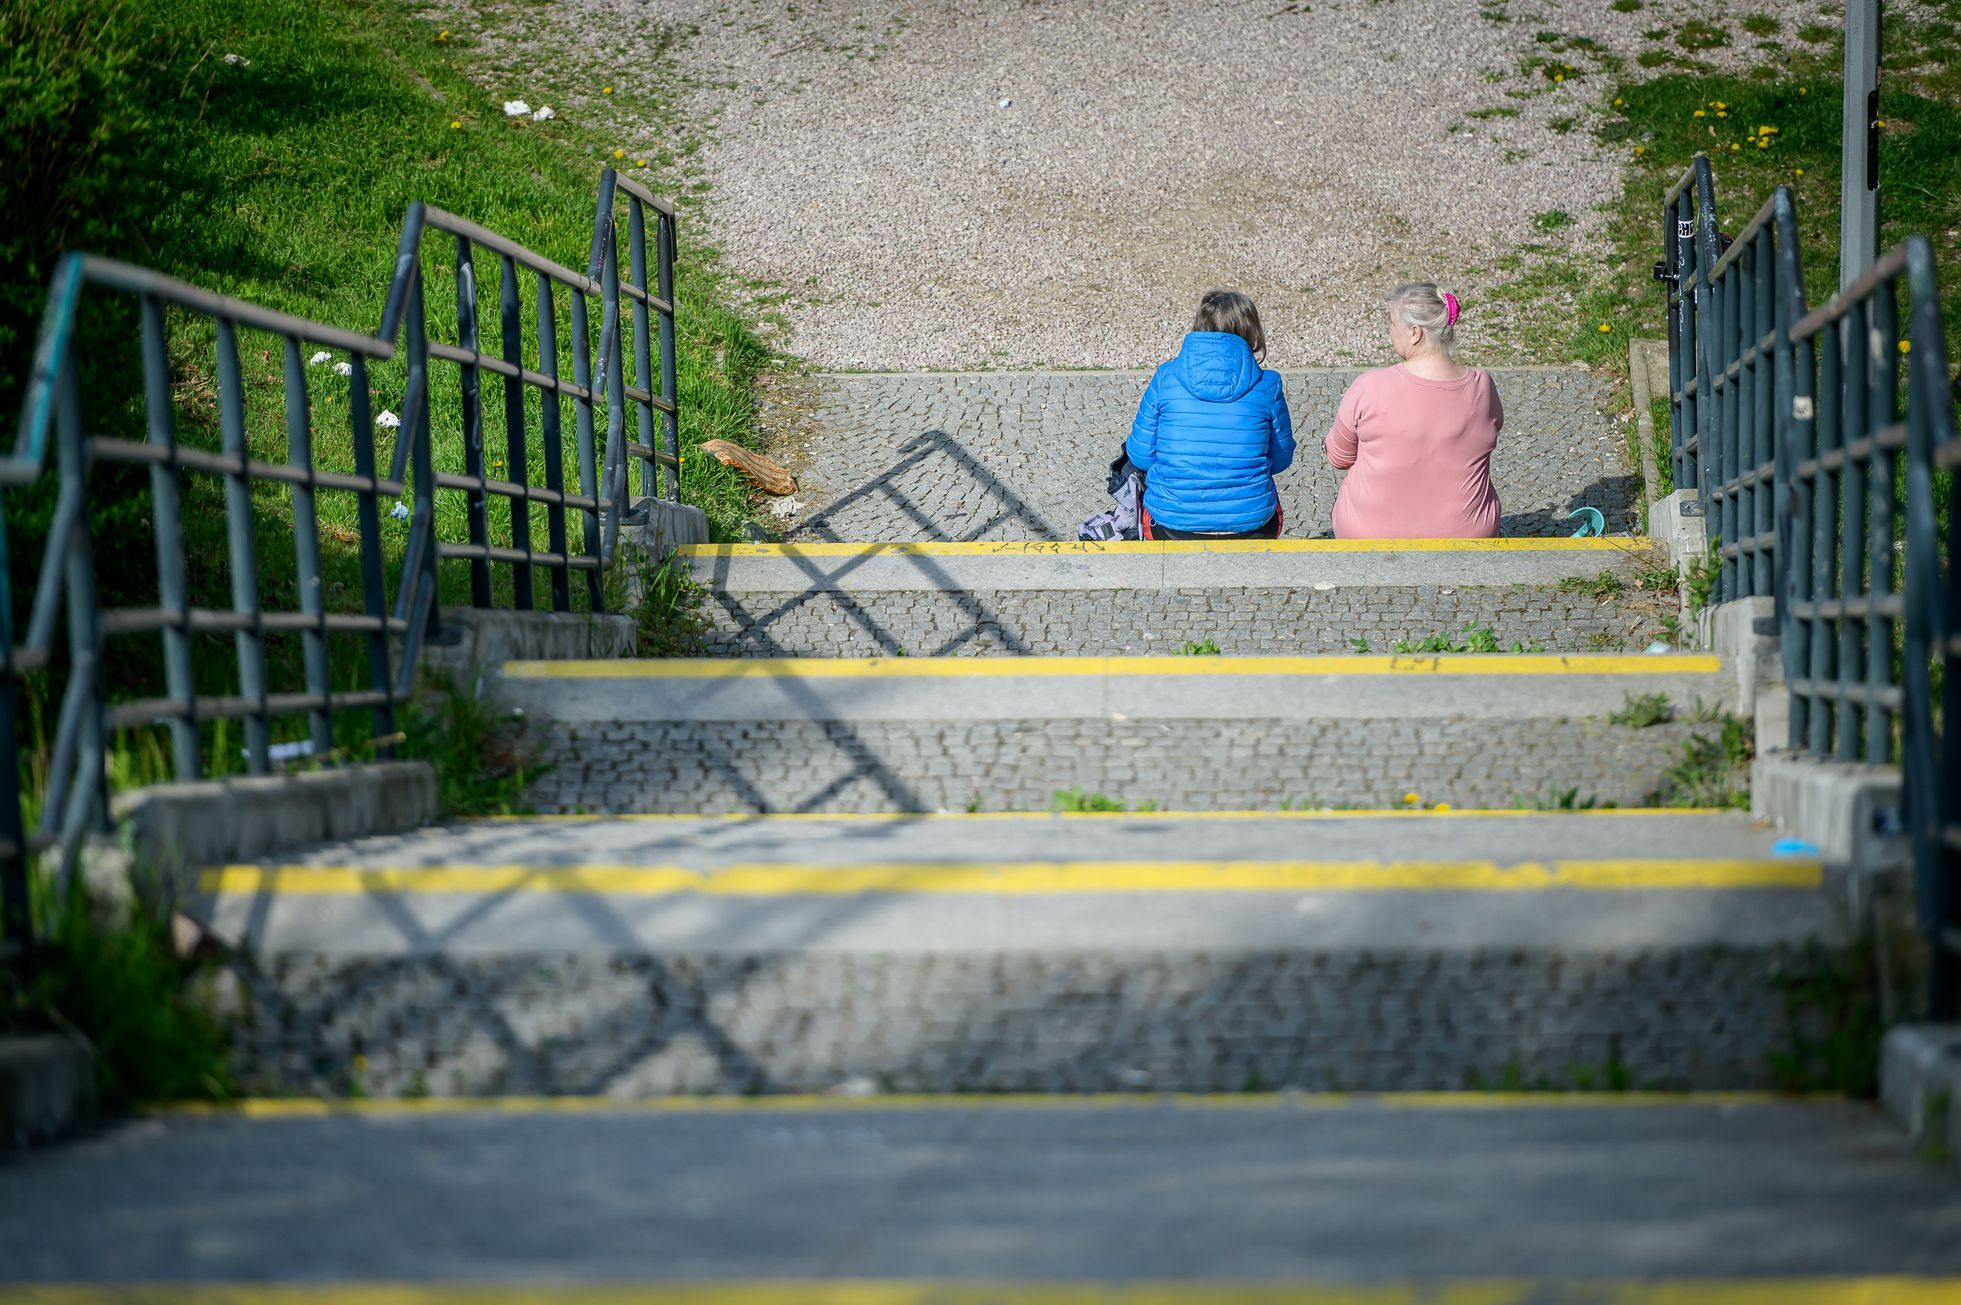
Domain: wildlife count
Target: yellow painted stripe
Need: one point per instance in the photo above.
(810, 668)
(1076, 548)
(803, 1103)
(914, 817)
(1023, 878)
(1465, 1291)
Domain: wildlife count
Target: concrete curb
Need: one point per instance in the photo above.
(1185, 688)
(483, 639)
(1920, 1085)
(182, 826)
(1640, 374)
(1850, 812)
(47, 1085)
(790, 569)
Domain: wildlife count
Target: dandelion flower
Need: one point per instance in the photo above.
(455, 123)
(1800, 172)
(640, 163)
(1734, 147)
(1906, 346)
(1801, 90)
(516, 108)
(387, 420)
(1640, 150)
(1719, 104)
(1879, 125)
(1722, 113)
(545, 114)
(1618, 103)
(1440, 807)
(1559, 77)
(1700, 113)
(1763, 144)
(605, 90)
(1605, 328)
(1411, 799)
(343, 369)
(1766, 131)
(318, 358)
(443, 35)
(619, 154)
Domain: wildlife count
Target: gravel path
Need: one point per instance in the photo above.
(962, 183)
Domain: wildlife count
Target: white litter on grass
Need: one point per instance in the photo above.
(400, 511)
(516, 108)
(238, 61)
(785, 508)
(343, 369)
(1007, 104)
(1657, 648)
(545, 114)
(387, 420)
(318, 358)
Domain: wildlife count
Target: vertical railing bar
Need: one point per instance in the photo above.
(517, 449)
(374, 579)
(549, 421)
(166, 510)
(1829, 532)
(306, 545)
(249, 643)
(666, 237)
(1852, 583)
(588, 456)
(643, 367)
(473, 455)
(1881, 402)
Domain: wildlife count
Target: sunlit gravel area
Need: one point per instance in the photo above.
(968, 183)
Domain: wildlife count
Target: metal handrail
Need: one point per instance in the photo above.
(1688, 238)
(1817, 471)
(394, 629)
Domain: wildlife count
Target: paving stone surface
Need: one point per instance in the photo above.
(1024, 455)
(1096, 622)
(1412, 1018)
(1018, 765)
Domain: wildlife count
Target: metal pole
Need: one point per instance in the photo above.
(1858, 223)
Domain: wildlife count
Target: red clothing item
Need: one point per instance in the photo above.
(1421, 456)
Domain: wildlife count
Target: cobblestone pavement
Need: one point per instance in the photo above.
(1386, 1201)
(1096, 622)
(1384, 1018)
(1017, 765)
(1024, 455)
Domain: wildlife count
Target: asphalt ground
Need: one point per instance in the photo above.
(1306, 1194)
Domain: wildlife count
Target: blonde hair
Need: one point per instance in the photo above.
(1232, 313)
(1420, 304)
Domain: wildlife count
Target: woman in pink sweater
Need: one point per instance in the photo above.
(1416, 438)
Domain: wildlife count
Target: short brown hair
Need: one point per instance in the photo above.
(1233, 313)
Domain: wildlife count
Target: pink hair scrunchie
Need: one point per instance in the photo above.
(1450, 309)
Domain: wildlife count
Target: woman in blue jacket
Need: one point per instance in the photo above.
(1213, 430)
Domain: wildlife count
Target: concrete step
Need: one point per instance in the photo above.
(1023, 455)
(1004, 734)
(1245, 597)
(1188, 951)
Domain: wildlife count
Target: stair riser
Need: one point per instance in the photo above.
(1108, 622)
(1017, 765)
(1378, 1019)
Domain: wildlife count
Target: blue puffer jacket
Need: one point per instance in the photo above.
(1213, 431)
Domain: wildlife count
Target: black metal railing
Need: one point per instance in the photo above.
(1822, 446)
(1688, 242)
(502, 513)
(1755, 295)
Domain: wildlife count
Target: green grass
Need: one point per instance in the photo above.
(1564, 300)
(283, 177)
(1076, 801)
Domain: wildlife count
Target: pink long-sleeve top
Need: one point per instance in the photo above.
(1418, 454)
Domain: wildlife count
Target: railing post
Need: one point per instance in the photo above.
(16, 922)
(588, 452)
(374, 581)
(166, 511)
(665, 238)
(643, 367)
(473, 461)
(549, 420)
(244, 552)
(306, 552)
(516, 448)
